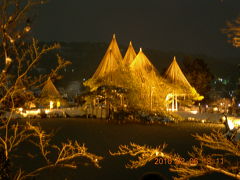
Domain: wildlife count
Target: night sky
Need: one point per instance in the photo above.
(188, 26)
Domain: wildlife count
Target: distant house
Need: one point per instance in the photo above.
(50, 96)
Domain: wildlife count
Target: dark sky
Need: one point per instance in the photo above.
(190, 26)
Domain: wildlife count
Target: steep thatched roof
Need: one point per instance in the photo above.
(130, 55)
(144, 69)
(175, 75)
(111, 62)
(182, 87)
(49, 90)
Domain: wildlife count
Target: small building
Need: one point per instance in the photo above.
(50, 96)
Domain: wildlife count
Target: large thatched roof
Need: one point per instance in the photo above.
(175, 75)
(144, 69)
(111, 62)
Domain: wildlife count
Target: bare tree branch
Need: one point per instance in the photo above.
(199, 163)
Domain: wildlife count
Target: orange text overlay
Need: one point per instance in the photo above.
(191, 161)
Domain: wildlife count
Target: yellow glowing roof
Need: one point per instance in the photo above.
(175, 75)
(49, 90)
(111, 61)
(144, 69)
(149, 83)
(130, 55)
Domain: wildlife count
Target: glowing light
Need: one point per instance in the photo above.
(27, 28)
(58, 104)
(194, 112)
(191, 118)
(230, 124)
(237, 122)
(11, 40)
(170, 109)
(31, 105)
(215, 109)
(20, 110)
(169, 96)
(8, 60)
(224, 118)
(51, 104)
(47, 111)
(31, 113)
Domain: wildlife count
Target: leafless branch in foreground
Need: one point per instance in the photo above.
(20, 55)
(223, 159)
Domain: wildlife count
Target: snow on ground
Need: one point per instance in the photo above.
(206, 117)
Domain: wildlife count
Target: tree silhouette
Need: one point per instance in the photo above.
(20, 55)
(198, 74)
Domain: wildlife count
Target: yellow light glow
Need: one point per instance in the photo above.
(8, 60)
(191, 118)
(172, 110)
(235, 121)
(224, 118)
(58, 104)
(32, 105)
(51, 104)
(169, 96)
(31, 112)
(230, 124)
(193, 112)
(27, 28)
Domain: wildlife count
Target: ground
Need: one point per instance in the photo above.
(100, 137)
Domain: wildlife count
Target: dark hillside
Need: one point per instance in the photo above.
(86, 56)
